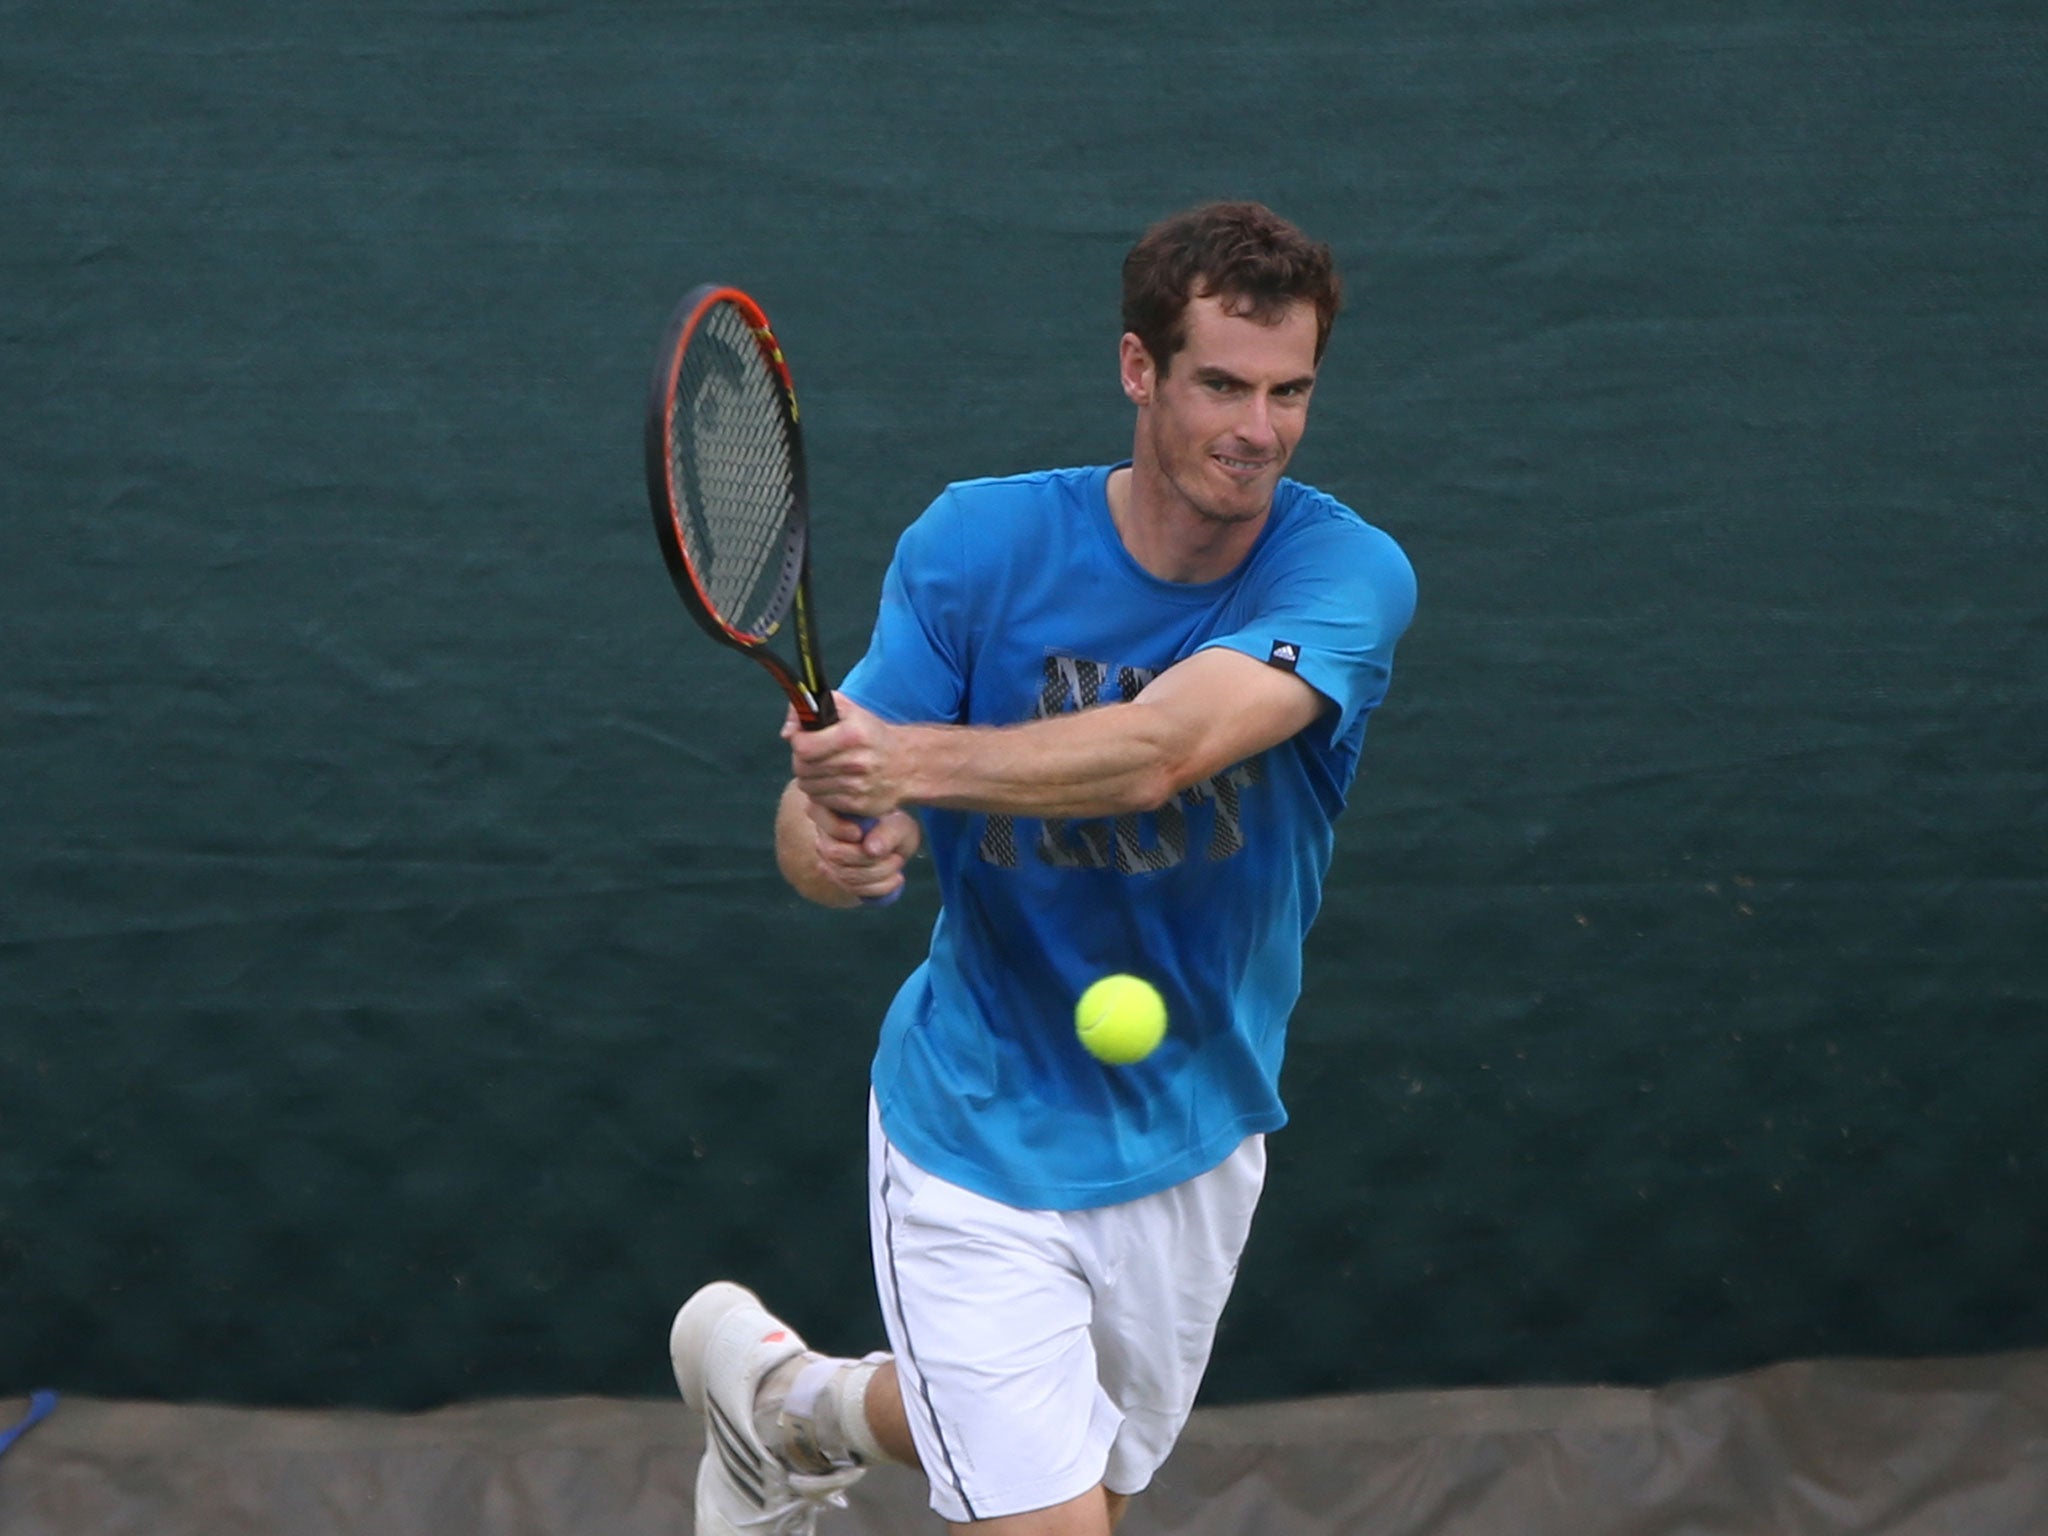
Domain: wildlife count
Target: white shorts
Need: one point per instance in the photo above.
(1043, 1352)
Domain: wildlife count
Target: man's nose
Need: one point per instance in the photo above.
(1256, 425)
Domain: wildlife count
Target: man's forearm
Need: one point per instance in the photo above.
(1193, 721)
(1105, 761)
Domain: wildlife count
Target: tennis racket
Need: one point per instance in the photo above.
(725, 479)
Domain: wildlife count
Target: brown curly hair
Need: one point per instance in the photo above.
(1243, 253)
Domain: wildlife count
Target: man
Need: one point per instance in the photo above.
(1125, 705)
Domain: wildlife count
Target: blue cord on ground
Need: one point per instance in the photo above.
(40, 1406)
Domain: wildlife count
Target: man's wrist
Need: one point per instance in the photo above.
(918, 767)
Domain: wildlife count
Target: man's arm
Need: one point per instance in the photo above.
(1195, 719)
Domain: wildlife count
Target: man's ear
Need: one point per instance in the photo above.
(1135, 370)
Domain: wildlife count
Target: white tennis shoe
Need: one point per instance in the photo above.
(722, 1344)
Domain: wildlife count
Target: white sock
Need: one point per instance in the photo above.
(850, 1389)
(812, 1410)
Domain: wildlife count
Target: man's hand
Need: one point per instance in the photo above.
(866, 865)
(827, 859)
(854, 767)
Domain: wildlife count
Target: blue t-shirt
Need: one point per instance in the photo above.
(1014, 599)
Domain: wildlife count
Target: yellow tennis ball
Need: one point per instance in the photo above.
(1121, 1019)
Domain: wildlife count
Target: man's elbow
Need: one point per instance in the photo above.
(1169, 769)
(1174, 748)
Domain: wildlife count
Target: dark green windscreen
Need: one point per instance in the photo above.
(397, 1003)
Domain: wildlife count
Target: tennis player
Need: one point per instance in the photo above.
(1123, 705)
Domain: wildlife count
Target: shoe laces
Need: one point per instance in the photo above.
(799, 1517)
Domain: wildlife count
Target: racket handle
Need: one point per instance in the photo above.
(867, 825)
(827, 713)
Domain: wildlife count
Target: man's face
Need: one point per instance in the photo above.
(1222, 425)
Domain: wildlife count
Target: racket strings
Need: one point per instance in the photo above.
(733, 474)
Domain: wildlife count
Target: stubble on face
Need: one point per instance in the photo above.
(1222, 424)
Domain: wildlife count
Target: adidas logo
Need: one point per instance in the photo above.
(1285, 654)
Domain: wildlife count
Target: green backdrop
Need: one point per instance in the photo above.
(396, 1000)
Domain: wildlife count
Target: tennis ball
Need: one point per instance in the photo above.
(1121, 1019)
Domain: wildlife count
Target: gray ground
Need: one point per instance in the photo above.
(1920, 1448)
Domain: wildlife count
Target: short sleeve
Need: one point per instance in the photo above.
(916, 666)
(1329, 606)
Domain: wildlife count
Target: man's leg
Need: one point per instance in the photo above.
(886, 1418)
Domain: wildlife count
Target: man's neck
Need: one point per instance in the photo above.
(1169, 538)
